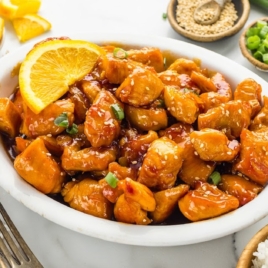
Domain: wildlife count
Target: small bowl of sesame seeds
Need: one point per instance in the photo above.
(233, 17)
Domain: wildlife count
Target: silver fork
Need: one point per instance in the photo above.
(14, 252)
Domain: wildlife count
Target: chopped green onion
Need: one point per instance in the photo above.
(188, 90)
(62, 121)
(253, 42)
(264, 31)
(265, 58)
(258, 55)
(118, 111)
(215, 177)
(111, 179)
(252, 31)
(72, 129)
(160, 103)
(262, 49)
(120, 53)
(257, 40)
(164, 16)
(261, 23)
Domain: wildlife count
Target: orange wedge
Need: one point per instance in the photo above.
(51, 67)
(11, 9)
(30, 26)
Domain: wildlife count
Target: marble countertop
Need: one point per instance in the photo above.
(56, 246)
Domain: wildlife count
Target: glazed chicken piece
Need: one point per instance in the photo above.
(183, 81)
(261, 119)
(213, 145)
(205, 84)
(133, 205)
(206, 201)
(243, 189)
(166, 202)
(138, 192)
(57, 144)
(9, 118)
(21, 144)
(193, 167)
(148, 56)
(91, 89)
(88, 159)
(184, 66)
(254, 155)
(146, 119)
(140, 88)
(86, 196)
(134, 147)
(116, 69)
(34, 125)
(161, 164)
(128, 211)
(183, 106)
(178, 132)
(212, 100)
(18, 101)
(81, 104)
(223, 87)
(230, 117)
(101, 125)
(32, 165)
(222, 95)
(110, 193)
(121, 172)
(249, 90)
(52, 145)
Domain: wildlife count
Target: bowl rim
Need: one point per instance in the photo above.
(247, 254)
(246, 53)
(172, 235)
(212, 37)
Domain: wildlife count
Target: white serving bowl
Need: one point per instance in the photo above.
(119, 232)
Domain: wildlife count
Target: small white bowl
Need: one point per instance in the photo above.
(171, 235)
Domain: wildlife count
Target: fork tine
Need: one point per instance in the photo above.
(4, 248)
(22, 253)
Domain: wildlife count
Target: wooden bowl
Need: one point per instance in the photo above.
(246, 257)
(247, 54)
(242, 7)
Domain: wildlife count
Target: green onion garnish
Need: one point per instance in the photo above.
(265, 58)
(73, 129)
(253, 42)
(160, 103)
(164, 16)
(62, 121)
(257, 40)
(215, 177)
(111, 179)
(120, 53)
(118, 111)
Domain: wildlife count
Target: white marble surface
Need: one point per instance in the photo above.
(58, 247)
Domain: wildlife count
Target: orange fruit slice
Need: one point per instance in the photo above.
(10, 9)
(51, 67)
(30, 26)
